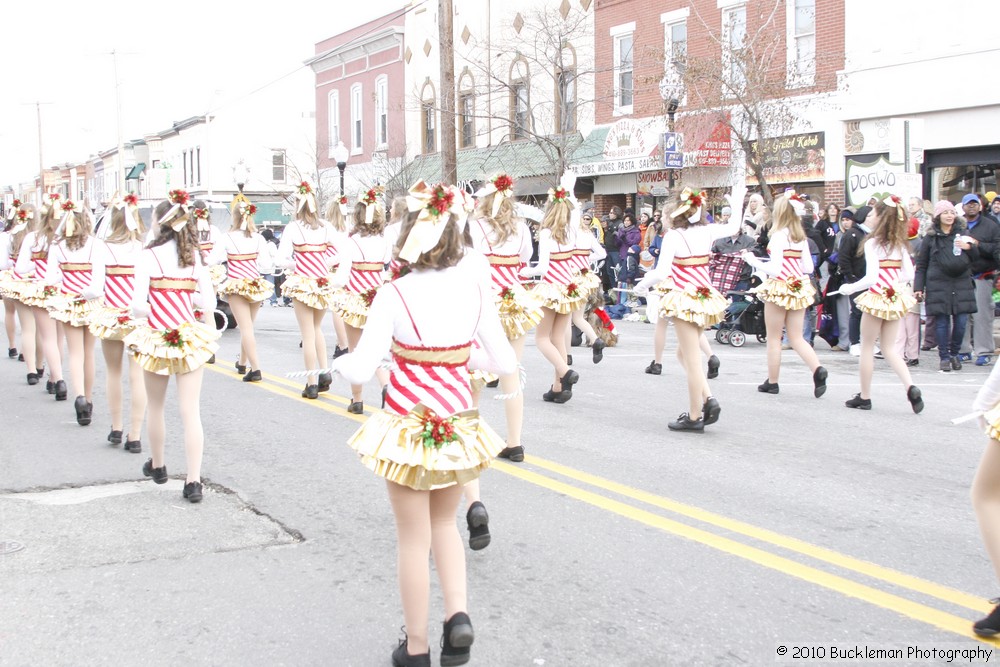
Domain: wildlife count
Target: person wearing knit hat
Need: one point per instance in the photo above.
(993, 206)
(851, 263)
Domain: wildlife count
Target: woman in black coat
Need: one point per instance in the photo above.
(943, 279)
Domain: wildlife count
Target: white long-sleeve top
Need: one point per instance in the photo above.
(238, 243)
(110, 254)
(587, 241)
(450, 307)
(296, 233)
(6, 262)
(877, 273)
(989, 393)
(32, 243)
(484, 239)
(778, 266)
(60, 254)
(357, 248)
(161, 262)
(547, 246)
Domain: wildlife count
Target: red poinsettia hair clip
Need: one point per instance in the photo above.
(200, 214)
(250, 210)
(178, 197)
(559, 194)
(22, 215)
(369, 197)
(16, 203)
(343, 200)
(503, 183)
(305, 188)
(440, 200)
(131, 199)
(690, 200)
(68, 205)
(54, 196)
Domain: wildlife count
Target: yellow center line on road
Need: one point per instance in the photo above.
(900, 605)
(857, 565)
(917, 611)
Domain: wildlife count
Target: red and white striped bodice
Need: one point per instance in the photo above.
(40, 260)
(119, 285)
(365, 274)
(437, 377)
(562, 266)
(691, 271)
(504, 270)
(170, 301)
(310, 259)
(791, 264)
(76, 276)
(888, 275)
(242, 266)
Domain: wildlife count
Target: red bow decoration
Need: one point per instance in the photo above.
(322, 282)
(890, 293)
(572, 290)
(795, 284)
(399, 270)
(507, 294)
(173, 338)
(123, 319)
(369, 296)
(441, 200)
(702, 292)
(437, 431)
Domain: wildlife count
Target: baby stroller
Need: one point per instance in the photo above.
(744, 317)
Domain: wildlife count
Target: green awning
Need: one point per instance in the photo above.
(270, 213)
(136, 172)
(591, 149)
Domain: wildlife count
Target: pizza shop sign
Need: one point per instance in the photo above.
(628, 139)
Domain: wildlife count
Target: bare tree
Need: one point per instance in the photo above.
(742, 81)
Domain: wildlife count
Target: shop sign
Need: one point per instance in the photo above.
(655, 183)
(879, 179)
(623, 166)
(716, 151)
(629, 139)
(795, 158)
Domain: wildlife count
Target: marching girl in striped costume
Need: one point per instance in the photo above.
(505, 240)
(6, 264)
(305, 250)
(429, 440)
(70, 270)
(692, 303)
(587, 252)
(787, 292)
(114, 279)
(209, 237)
(361, 272)
(247, 257)
(167, 275)
(558, 289)
(33, 260)
(887, 299)
(336, 215)
(13, 285)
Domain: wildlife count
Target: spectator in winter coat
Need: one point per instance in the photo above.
(627, 237)
(915, 207)
(828, 228)
(851, 264)
(985, 233)
(755, 216)
(611, 222)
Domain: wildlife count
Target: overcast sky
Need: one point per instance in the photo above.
(176, 60)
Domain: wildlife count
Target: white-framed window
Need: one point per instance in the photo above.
(428, 119)
(734, 35)
(196, 168)
(184, 161)
(623, 67)
(801, 41)
(356, 122)
(675, 37)
(566, 101)
(332, 120)
(381, 111)
(278, 165)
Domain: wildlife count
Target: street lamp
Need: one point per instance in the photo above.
(241, 174)
(341, 155)
(671, 91)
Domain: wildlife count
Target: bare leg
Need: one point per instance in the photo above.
(871, 327)
(560, 326)
(113, 350)
(704, 345)
(660, 339)
(46, 327)
(137, 393)
(793, 324)
(353, 336)
(545, 335)
(189, 394)
(340, 329)
(244, 311)
(583, 325)
(413, 545)
(986, 501)
(890, 330)
(449, 552)
(74, 341)
(9, 313)
(471, 492)
(156, 429)
(318, 337)
(514, 406)
(305, 317)
(774, 322)
(28, 336)
(690, 356)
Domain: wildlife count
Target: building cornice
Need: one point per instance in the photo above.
(383, 40)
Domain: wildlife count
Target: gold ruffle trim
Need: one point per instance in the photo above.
(992, 418)
(251, 289)
(520, 313)
(553, 296)
(104, 323)
(218, 273)
(33, 294)
(72, 310)
(777, 291)
(351, 306)
(688, 306)
(390, 446)
(12, 288)
(478, 379)
(306, 290)
(156, 356)
(882, 307)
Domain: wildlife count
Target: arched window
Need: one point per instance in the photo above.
(520, 99)
(381, 111)
(357, 137)
(428, 118)
(466, 111)
(565, 92)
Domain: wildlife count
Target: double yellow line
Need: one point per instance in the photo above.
(918, 611)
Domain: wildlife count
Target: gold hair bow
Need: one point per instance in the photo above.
(370, 198)
(893, 201)
(436, 205)
(67, 226)
(690, 200)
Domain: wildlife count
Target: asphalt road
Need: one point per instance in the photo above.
(794, 524)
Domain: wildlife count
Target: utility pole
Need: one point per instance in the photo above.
(41, 162)
(120, 176)
(449, 159)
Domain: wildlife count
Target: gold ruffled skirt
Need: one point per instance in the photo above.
(218, 273)
(556, 297)
(11, 287)
(589, 282)
(152, 351)
(251, 289)
(992, 418)
(73, 310)
(704, 309)
(478, 379)
(781, 294)
(308, 291)
(351, 306)
(520, 311)
(36, 295)
(882, 307)
(392, 447)
(109, 323)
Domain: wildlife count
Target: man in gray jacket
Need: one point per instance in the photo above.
(985, 233)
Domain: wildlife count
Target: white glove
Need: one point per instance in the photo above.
(643, 286)
(527, 272)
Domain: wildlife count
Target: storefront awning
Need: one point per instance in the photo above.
(136, 172)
